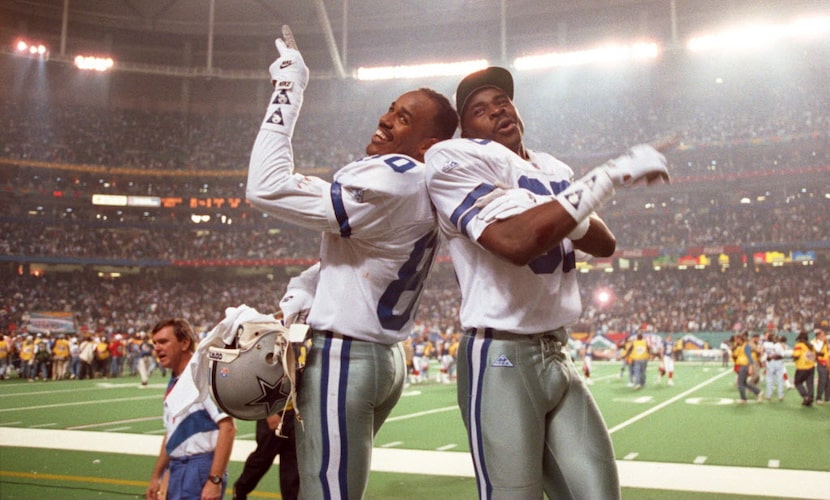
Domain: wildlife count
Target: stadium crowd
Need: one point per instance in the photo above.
(673, 226)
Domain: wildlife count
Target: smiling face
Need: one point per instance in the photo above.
(490, 114)
(406, 128)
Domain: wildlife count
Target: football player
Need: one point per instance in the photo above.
(667, 360)
(379, 239)
(513, 219)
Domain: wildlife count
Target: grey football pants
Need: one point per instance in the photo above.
(532, 424)
(348, 389)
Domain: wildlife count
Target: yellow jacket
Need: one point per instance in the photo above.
(61, 349)
(27, 351)
(740, 355)
(639, 350)
(805, 358)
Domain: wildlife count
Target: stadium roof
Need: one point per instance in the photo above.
(337, 36)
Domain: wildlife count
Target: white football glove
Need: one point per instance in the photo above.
(501, 203)
(642, 163)
(295, 306)
(289, 75)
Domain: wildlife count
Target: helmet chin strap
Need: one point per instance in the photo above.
(297, 334)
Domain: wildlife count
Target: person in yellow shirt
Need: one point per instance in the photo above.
(101, 362)
(60, 357)
(640, 354)
(742, 356)
(27, 358)
(804, 355)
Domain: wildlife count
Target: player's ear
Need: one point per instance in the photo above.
(425, 145)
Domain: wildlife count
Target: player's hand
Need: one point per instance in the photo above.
(289, 66)
(502, 203)
(273, 421)
(643, 163)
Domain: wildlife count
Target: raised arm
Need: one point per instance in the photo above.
(273, 186)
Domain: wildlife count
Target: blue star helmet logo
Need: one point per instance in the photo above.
(273, 396)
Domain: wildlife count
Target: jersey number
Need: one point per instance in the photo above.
(397, 304)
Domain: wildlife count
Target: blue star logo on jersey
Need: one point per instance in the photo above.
(272, 395)
(502, 361)
(281, 97)
(276, 118)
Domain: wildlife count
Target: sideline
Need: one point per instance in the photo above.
(781, 483)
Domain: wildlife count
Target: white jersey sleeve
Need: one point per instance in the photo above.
(274, 188)
(495, 293)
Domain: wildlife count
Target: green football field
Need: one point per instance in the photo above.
(99, 439)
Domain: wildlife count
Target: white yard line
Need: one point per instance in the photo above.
(667, 402)
(79, 403)
(781, 483)
(97, 387)
(113, 422)
(422, 413)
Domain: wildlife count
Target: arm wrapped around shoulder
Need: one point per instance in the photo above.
(503, 203)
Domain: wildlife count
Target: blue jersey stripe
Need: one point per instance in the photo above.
(465, 211)
(340, 209)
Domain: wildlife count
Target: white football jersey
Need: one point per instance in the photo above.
(379, 235)
(495, 293)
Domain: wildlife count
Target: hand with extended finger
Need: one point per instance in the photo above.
(641, 164)
(289, 66)
(289, 75)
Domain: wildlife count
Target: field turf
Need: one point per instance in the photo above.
(99, 439)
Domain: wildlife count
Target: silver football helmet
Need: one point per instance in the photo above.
(254, 376)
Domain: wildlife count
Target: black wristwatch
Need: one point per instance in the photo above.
(215, 479)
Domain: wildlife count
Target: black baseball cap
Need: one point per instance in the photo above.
(493, 76)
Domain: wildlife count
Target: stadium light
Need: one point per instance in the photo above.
(31, 49)
(604, 54)
(94, 63)
(419, 70)
(758, 36)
